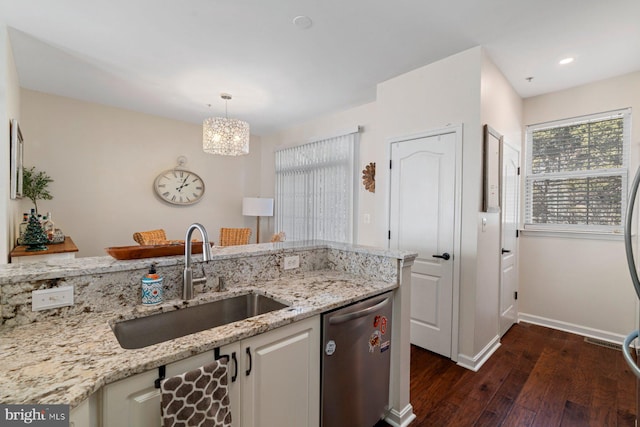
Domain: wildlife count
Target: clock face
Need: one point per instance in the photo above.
(179, 187)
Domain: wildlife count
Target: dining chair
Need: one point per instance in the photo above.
(234, 236)
(151, 237)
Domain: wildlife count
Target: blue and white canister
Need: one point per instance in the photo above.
(151, 291)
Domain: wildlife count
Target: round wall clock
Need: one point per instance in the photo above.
(179, 187)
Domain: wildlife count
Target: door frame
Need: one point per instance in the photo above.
(457, 237)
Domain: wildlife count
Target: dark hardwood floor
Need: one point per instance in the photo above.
(538, 377)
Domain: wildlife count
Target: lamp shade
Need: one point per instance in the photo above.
(257, 206)
(224, 136)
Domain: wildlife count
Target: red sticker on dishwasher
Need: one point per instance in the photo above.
(376, 321)
(374, 341)
(383, 325)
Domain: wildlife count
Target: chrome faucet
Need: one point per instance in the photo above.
(187, 276)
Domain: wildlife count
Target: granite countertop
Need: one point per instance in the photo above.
(67, 359)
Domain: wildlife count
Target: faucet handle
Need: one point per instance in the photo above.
(199, 280)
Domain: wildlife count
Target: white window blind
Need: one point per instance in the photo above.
(576, 173)
(315, 188)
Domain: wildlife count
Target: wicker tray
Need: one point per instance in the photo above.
(151, 251)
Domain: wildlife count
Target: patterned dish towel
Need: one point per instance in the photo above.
(197, 398)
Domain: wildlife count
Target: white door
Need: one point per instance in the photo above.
(422, 220)
(508, 265)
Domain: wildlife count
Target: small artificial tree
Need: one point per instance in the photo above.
(34, 236)
(34, 185)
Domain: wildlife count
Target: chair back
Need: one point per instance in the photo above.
(234, 236)
(151, 237)
(278, 237)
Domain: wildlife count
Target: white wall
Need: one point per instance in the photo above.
(9, 109)
(5, 221)
(104, 160)
(501, 108)
(443, 93)
(448, 92)
(332, 124)
(581, 285)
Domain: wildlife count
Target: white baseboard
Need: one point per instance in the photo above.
(476, 362)
(401, 418)
(571, 328)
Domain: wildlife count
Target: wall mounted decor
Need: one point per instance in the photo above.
(16, 153)
(179, 186)
(369, 177)
(492, 173)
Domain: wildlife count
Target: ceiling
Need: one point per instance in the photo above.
(173, 58)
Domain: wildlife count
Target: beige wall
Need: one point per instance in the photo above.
(9, 109)
(104, 160)
(580, 284)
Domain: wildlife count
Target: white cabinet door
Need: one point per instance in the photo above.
(132, 401)
(85, 414)
(135, 402)
(280, 374)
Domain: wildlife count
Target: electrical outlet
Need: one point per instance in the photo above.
(51, 298)
(291, 262)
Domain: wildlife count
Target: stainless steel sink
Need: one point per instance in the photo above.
(157, 328)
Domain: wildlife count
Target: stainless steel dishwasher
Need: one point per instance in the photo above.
(356, 358)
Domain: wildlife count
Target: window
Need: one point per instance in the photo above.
(576, 173)
(315, 188)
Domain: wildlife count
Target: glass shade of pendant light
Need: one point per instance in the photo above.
(225, 136)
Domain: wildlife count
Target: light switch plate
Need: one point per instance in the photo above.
(291, 262)
(51, 298)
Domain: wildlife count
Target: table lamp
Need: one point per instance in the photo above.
(257, 206)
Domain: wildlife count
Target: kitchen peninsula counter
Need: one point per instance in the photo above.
(66, 359)
(66, 354)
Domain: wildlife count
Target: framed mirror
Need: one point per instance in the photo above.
(17, 152)
(492, 173)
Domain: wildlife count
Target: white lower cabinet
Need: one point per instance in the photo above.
(86, 413)
(280, 379)
(277, 382)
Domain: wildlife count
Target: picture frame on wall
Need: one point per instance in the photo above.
(16, 157)
(492, 170)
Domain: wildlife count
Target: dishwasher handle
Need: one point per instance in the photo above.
(342, 318)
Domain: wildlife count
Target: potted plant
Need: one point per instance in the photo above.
(34, 185)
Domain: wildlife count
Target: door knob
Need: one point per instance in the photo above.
(506, 251)
(445, 256)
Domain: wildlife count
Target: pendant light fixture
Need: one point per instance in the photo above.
(225, 136)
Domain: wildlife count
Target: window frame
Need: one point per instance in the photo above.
(623, 172)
